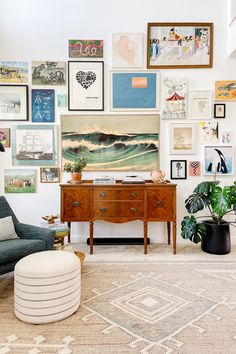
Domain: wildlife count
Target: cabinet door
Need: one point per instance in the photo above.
(160, 204)
(75, 204)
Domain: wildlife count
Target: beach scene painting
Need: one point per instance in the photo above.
(112, 142)
(13, 71)
(20, 180)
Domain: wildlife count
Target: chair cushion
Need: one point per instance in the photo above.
(13, 250)
(7, 230)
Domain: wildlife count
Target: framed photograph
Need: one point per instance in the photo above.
(194, 168)
(34, 145)
(208, 132)
(135, 90)
(14, 102)
(20, 180)
(43, 106)
(219, 110)
(127, 50)
(179, 45)
(200, 103)
(83, 48)
(14, 72)
(48, 73)
(174, 98)
(112, 142)
(178, 169)
(5, 137)
(182, 139)
(86, 86)
(49, 174)
(225, 90)
(219, 160)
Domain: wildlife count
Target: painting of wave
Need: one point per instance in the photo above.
(112, 142)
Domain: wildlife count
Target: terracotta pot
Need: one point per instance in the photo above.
(76, 177)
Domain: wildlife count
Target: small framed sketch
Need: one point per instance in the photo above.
(178, 169)
(14, 102)
(49, 174)
(226, 137)
(49, 73)
(219, 110)
(208, 132)
(86, 86)
(135, 90)
(127, 50)
(200, 104)
(219, 160)
(43, 106)
(182, 138)
(20, 180)
(174, 98)
(194, 168)
(5, 137)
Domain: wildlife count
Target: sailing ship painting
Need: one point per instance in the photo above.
(112, 142)
(174, 95)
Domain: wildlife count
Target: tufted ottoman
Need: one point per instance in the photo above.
(47, 286)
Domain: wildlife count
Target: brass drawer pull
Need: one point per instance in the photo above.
(103, 194)
(159, 203)
(102, 210)
(133, 210)
(133, 194)
(76, 203)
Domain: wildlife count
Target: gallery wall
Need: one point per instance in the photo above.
(34, 31)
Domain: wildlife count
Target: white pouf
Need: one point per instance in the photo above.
(47, 286)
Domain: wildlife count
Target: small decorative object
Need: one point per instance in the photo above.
(226, 137)
(183, 138)
(225, 90)
(200, 105)
(5, 137)
(219, 110)
(20, 180)
(50, 218)
(158, 176)
(14, 102)
(49, 174)
(127, 50)
(208, 132)
(49, 73)
(219, 160)
(213, 232)
(178, 169)
(82, 48)
(43, 106)
(179, 45)
(174, 98)
(194, 168)
(13, 72)
(76, 168)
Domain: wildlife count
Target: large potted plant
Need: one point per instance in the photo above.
(214, 232)
(76, 168)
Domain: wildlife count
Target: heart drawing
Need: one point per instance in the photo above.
(85, 79)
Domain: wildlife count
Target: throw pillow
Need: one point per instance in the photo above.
(7, 230)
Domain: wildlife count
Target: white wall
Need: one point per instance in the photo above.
(39, 30)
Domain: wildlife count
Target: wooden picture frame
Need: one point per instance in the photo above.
(176, 45)
(14, 103)
(178, 169)
(50, 174)
(219, 110)
(5, 137)
(86, 86)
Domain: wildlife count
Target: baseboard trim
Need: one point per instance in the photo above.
(118, 241)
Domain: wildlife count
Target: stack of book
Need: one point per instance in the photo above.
(104, 180)
(133, 179)
(61, 231)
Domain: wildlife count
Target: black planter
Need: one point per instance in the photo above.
(217, 239)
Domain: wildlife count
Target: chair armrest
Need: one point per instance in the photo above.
(36, 232)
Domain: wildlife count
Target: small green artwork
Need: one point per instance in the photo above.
(20, 181)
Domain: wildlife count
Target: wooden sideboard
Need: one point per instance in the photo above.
(119, 203)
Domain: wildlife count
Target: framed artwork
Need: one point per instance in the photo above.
(5, 137)
(135, 90)
(219, 110)
(13, 72)
(194, 168)
(182, 138)
(225, 90)
(14, 102)
(208, 132)
(43, 106)
(112, 142)
(127, 50)
(226, 137)
(20, 180)
(219, 160)
(86, 86)
(179, 45)
(178, 169)
(174, 98)
(83, 48)
(61, 100)
(48, 73)
(34, 145)
(49, 174)
(200, 104)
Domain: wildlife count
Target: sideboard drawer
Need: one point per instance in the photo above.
(76, 204)
(104, 194)
(130, 209)
(104, 209)
(132, 194)
(160, 204)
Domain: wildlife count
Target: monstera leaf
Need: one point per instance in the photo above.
(205, 187)
(195, 202)
(192, 230)
(233, 195)
(221, 200)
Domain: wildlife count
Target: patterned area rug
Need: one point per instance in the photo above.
(135, 308)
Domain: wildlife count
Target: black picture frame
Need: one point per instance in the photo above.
(175, 171)
(222, 112)
(15, 103)
(85, 85)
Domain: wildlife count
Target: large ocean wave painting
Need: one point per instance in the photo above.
(112, 142)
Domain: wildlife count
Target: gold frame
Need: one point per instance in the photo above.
(41, 174)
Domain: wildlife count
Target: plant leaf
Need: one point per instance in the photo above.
(221, 200)
(195, 202)
(192, 230)
(205, 187)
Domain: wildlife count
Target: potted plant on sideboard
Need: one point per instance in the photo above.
(214, 232)
(76, 168)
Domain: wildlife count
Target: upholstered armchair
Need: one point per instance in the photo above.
(30, 239)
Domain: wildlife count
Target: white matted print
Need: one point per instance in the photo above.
(219, 160)
(174, 98)
(127, 50)
(200, 104)
(182, 138)
(208, 132)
